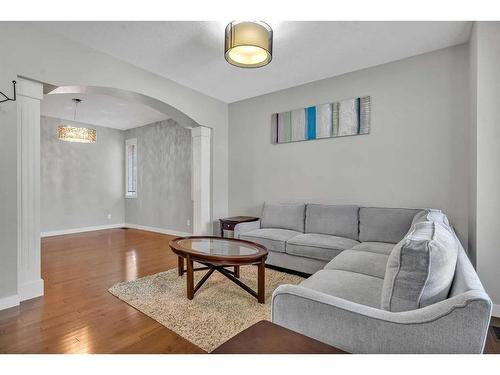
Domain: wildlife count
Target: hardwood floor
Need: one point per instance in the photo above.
(492, 345)
(78, 315)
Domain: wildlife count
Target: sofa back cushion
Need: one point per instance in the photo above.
(339, 221)
(420, 269)
(284, 215)
(384, 224)
(431, 214)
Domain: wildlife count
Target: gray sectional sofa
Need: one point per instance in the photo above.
(384, 280)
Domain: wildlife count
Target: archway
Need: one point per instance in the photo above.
(160, 106)
(30, 93)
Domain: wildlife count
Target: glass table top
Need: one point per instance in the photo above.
(218, 247)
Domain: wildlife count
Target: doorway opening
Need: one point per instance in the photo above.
(193, 174)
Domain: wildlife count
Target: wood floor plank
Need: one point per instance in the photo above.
(78, 315)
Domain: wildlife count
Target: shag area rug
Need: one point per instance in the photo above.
(220, 309)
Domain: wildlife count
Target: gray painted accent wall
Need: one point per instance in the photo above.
(416, 154)
(80, 183)
(164, 177)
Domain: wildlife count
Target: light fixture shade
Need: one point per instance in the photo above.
(248, 44)
(73, 134)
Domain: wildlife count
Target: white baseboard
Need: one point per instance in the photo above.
(112, 226)
(26, 291)
(157, 230)
(9, 301)
(80, 230)
(30, 290)
(496, 311)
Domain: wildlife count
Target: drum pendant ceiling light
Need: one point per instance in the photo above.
(248, 44)
(70, 133)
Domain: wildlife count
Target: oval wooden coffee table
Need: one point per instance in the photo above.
(219, 254)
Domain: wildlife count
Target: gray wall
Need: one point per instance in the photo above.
(8, 187)
(486, 48)
(472, 246)
(164, 177)
(80, 184)
(415, 156)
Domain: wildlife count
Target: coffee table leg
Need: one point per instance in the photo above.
(237, 271)
(261, 282)
(190, 278)
(180, 265)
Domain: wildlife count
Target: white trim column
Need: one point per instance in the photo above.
(200, 187)
(30, 283)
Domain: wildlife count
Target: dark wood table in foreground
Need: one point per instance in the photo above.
(268, 338)
(219, 254)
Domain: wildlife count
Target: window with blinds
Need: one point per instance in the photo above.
(131, 168)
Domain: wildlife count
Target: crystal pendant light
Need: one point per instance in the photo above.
(70, 133)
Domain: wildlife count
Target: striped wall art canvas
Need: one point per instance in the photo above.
(338, 119)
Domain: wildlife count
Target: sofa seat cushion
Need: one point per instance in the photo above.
(375, 247)
(318, 246)
(273, 239)
(421, 268)
(366, 263)
(351, 286)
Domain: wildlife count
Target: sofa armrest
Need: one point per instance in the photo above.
(241, 228)
(456, 325)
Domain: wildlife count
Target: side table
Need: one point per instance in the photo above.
(229, 223)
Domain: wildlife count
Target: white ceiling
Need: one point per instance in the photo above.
(100, 110)
(191, 53)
